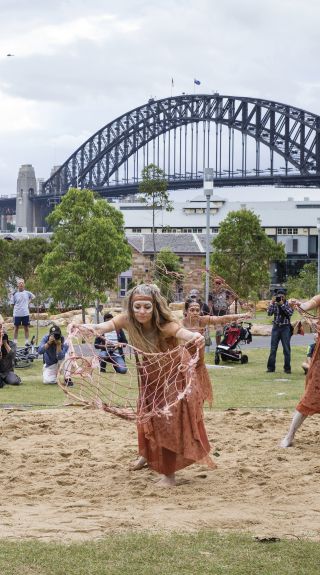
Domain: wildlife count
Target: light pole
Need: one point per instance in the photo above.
(318, 228)
(208, 191)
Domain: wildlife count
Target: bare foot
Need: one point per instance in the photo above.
(138, 464)
(286, 442)
(166, 481)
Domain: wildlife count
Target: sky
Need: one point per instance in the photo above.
(78, 64)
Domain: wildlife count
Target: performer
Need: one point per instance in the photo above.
(166, 444)
(310, 401)
(196, 322)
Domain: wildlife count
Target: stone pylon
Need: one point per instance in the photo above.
(26, 188)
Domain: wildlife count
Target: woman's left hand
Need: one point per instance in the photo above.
(199, 340)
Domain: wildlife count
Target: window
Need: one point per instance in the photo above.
(125, 284)
(215, 230)
(295, 231)
(295, 245)
(136, 230)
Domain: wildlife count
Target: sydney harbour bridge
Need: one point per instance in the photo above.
(247, 141)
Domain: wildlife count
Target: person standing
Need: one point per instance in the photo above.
(219, 302)
(21, 300)
(281, 329)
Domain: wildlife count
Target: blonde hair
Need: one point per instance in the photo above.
(161, 314)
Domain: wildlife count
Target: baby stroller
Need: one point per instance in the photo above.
(229, 349)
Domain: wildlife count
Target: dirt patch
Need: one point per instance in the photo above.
(65, 476)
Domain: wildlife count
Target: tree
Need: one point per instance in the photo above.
(242, 253)
(304, 285)
(25, 256)
(153, 189)
(167, 261)
(89, 249)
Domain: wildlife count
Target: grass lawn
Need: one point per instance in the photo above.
(203, 553)
(243, 386)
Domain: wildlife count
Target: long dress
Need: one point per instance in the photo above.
(174, 441)
(200, 326)
(310, 401)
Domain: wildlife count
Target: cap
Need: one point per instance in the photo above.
(280, 291)
(194, 292)
(55, 329)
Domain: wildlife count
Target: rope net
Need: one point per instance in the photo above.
(153, 383)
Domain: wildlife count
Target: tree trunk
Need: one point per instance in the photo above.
(83, 311)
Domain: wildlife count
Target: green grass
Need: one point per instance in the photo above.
(250, 386)
(243, 386)
(204, 553)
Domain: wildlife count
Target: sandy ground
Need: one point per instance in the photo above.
(65, 476)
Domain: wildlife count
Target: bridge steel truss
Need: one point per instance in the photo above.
(161, 130)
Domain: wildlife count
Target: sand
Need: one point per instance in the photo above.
(65, 476)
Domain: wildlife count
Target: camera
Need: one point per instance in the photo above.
(5, 337)
(57, 336)
(279, 298)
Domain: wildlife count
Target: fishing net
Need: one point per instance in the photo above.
(151, 386)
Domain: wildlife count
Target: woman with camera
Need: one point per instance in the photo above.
(53, 348)
(281, 329)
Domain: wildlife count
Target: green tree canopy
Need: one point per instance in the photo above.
(153, 189)
(167, 261)
(89, 248)
(242, 253)
(304, 285)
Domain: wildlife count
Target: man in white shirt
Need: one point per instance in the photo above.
(21, 300)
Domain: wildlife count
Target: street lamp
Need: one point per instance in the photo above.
(318, 228)
(208, 191)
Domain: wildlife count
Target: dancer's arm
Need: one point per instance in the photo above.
(312, 303)
(222, 319)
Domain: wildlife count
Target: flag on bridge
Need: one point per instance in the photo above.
(197, 82)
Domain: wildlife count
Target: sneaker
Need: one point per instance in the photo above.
(287, 371)
(270, 370)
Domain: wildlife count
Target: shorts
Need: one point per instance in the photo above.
(21, 320)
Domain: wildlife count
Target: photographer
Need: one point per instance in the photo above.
(53, 348)
(281, 329)
(7, 356)
(111, 350)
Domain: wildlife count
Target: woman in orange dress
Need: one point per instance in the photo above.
(166, 444)
(193, 321)
(310, 401)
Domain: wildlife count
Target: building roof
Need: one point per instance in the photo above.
(177, 243)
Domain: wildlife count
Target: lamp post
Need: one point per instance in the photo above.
(318, 228)
(208, 191)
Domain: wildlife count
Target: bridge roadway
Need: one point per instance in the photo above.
(8, 203)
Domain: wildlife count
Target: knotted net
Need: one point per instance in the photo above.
(151, 386)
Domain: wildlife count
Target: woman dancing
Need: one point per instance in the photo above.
(166, 444)
(193, 321)
(310, 401)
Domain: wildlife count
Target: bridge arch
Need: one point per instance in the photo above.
(287, 132)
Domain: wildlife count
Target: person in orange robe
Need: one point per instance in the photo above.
(166, 443)
(310, 401)
(193, 321)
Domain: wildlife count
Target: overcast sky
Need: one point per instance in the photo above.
(78, 64)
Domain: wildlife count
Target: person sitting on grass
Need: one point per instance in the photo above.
(7, 357)
(54, 349)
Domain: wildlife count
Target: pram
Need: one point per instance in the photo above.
(229, 349)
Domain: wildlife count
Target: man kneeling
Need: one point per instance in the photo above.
(53, 348)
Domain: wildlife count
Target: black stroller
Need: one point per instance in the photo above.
(229, 348)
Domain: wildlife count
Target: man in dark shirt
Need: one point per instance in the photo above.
(281, 329)
(110, 350)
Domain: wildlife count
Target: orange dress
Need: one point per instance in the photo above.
(310, 401)
(200, 325)
(172, 442)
